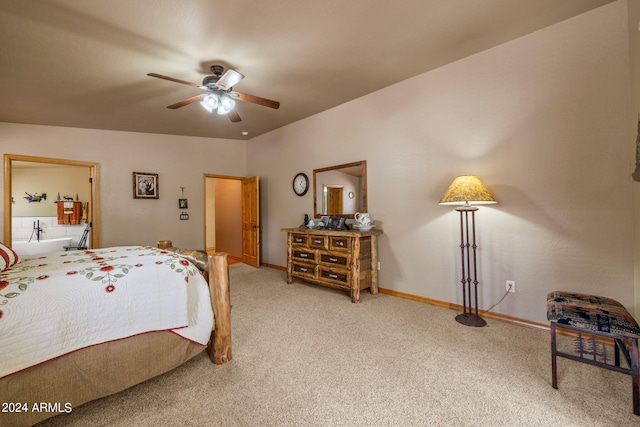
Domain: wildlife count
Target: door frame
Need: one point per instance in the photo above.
(204, 203)
(94, 205)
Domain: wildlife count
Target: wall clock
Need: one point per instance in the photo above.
(300, 184)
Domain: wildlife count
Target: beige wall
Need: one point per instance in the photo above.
(210, 213)
(542, 120)
(179, 161)
(634, 50)
(228, 223)
(66, 181)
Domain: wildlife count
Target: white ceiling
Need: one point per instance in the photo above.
(83, 63)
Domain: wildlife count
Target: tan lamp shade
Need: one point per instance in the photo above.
(467, 189)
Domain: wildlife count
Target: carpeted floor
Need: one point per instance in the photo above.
(305, 355)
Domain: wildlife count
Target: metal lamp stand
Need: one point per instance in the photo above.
(468, 251)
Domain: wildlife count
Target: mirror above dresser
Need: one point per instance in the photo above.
(340, 190)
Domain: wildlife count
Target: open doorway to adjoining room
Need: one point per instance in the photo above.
(231, 217)
(54, 182)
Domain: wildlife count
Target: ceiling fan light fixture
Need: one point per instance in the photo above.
(210, 103)
(225, 105)
(229, 79)
(219, 95)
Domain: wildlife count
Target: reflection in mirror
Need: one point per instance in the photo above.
(340, 190)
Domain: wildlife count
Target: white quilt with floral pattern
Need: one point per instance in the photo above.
(65, 301)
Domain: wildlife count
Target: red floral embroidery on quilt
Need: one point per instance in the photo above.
(43, 277)
(5, 256)
(3, 284)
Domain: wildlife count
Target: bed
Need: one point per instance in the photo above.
(156, 309)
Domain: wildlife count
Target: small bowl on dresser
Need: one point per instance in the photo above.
(364, 227)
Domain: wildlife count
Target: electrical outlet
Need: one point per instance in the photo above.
(511, 285)
(378, 265)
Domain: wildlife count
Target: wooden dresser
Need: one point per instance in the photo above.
(346, 260)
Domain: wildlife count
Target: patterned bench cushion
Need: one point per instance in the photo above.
(591, 312)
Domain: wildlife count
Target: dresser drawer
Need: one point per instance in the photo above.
(340, 243)
(303, 255)
(299, 240)
(331, 258)
(340, 277)
(318, 242)
(304, 270)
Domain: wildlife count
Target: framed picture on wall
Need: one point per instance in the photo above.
(145, 185)
(182, 204)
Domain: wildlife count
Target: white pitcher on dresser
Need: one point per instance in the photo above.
(362, 219)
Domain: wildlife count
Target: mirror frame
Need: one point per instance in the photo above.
(363, 164)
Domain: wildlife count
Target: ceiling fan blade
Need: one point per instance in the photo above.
(186, 101)
(255, 99)
(229, 79)
(171, 79)
(234, 116)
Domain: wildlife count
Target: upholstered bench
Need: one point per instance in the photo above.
(599, 317)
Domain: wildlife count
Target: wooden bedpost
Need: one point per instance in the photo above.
(215, 269)
(221, 303)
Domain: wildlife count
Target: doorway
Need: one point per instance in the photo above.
(92, 204)
(231, 217)
(333, 199)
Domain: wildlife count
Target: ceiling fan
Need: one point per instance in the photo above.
(219, 95)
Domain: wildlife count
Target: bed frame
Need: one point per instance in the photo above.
(215, 268)
(81, 376)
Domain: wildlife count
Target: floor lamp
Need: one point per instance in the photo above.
(466, 190)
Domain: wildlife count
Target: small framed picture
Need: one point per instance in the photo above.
(336, 223)
(182, 203)
(145, 185)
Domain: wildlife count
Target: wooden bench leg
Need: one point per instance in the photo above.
(554, 363)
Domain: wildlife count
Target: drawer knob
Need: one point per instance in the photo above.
(303, 269)
(303, 255)
(333, 276)
(333, 259)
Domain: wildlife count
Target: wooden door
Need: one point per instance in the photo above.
(251, 221)
(334, 200)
